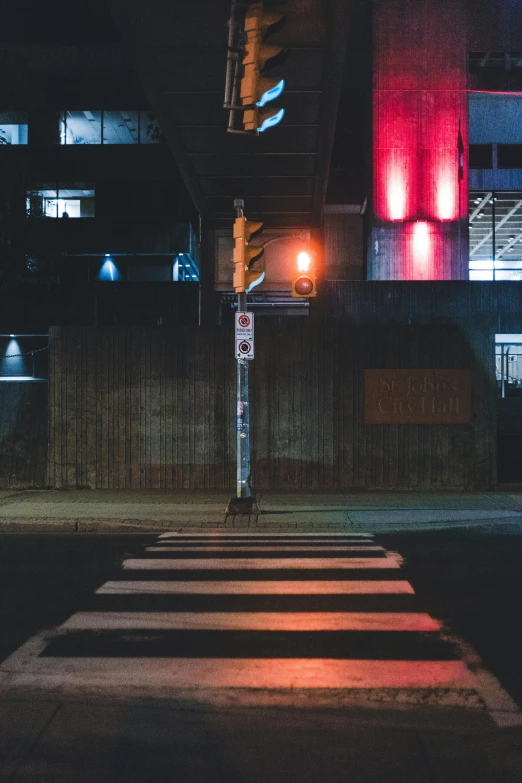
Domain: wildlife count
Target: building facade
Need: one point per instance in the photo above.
(420, 246)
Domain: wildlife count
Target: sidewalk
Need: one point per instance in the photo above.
(130, 742)
(158, 510)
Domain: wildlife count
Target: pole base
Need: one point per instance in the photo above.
(242, 506)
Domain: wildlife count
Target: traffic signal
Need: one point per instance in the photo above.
(246, 278)
(304, 284)
(257, 90)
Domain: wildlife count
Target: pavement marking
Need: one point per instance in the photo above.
(38, 664)
(253, 621)
(232, 548)
(237, 587)
(265, 536)
(250, 673)
(163, 564)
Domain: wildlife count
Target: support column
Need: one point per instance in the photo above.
(420, 140)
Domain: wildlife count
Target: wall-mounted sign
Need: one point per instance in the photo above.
(417, 396)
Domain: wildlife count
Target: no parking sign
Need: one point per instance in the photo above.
(244, 336)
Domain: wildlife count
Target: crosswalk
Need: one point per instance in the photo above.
(265, 611)
(303, 619)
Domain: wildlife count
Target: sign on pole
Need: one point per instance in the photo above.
(244, 336)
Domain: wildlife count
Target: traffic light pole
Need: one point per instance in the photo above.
(244, 481)
(243, 503)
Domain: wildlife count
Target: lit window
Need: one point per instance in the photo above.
(62, 200)
(150, 131)
(81, 127)
(118, 126)
(13, 128)
(495, 246)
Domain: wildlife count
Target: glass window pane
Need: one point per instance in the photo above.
(496, 231)
(508, 274)
(81, 127)
(507, 264)
(42, 201)
(150, 131)
(481, 264)
(120, 127)
(68, 200)
(13, 128)
(76, 199)
(480, 274)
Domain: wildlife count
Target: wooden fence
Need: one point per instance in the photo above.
(134, 408)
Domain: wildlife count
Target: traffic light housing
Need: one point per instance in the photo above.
(304, 284)
(245, 277)
(257, 90)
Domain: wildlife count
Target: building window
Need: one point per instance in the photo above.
(509, 156)
(481, 156)
(508, 361)
(495, 231)
(109, 127)
(497, 71)
(13, 128)
(62, 200)
(81, 127)
(121, 268)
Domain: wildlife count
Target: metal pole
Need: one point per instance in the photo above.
(244, 483)
(243, 478)
(231, 57)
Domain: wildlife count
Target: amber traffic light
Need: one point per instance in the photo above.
(258, 90)
(245, 277)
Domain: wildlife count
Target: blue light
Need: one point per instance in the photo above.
(272, 94)
(109, 271)
(254, 283)
(275, 119)
(12, 363)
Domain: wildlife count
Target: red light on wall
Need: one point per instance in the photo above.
(446, 187)
(396, 197)
(421, 250)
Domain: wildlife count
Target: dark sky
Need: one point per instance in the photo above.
(61, 21)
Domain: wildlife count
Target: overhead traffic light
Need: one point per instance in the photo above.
(245, 277)
(258, 90)
(304, 284)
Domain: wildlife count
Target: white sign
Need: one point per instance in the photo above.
(244, 349)
(245, 326)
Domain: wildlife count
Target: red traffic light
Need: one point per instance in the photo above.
(303, 280)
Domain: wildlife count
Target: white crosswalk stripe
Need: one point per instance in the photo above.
(252, 587)
(254, 563)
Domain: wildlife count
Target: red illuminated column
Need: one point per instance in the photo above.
(420, 224)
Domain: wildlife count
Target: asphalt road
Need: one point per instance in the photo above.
(470, 580)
